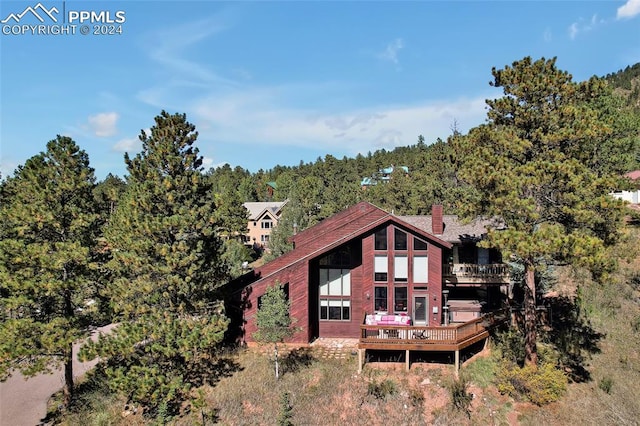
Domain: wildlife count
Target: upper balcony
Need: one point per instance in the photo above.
(469, 273)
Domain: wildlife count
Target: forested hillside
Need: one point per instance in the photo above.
(154, 251)
(626, 83)
(319, 189)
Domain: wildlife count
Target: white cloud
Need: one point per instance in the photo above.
(104, 124)
(390, 53)
(573, 30)
(207, 162)
(7, 167)
(630, 9)
(547, 35)
(169, 47)
(248, 117)
(129, 145)
(583, 26)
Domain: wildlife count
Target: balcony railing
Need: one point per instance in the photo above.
(475, 273)
(422, 338)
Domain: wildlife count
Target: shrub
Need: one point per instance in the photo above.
(510, 345)
(606, 384)
(416, 396)
(460, 396)
(286, 411)
(380, 390)
(540, 385)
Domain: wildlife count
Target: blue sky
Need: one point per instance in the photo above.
(270, 83)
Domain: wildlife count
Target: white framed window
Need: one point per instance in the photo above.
(335, 309)
(420, 269)
(381, 268)
(401, 269)
(335, 293)
(400, 299)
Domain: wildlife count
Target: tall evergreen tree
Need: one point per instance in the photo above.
(533, 167)
(273, 320)
(107, 193)
(166, 262)
(47, 241)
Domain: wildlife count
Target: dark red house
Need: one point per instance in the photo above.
(365, 260)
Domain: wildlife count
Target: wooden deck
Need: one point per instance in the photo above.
(452, 338)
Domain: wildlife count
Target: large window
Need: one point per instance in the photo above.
(419, 244)
(399, 239)
(400, 269)
(335, 294)
(266, 224)
(380, 238)
(335, 309)
(340, 257)
(400, 299)
(381, 268)
(380, 299)
(420, 269)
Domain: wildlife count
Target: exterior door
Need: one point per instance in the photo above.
(420, 310)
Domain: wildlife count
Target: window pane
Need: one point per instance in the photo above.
(420, 269)
(324, 309)
(335, 309)
(335, 282)
(345, 313)
(381, 239)
(419, 244)
(346, 282)
(380, 299)
(400, 299)
(381, 268)
(400, 240)
(324, 282)
(346, 308)
(324, 312)
(401, 268)
(324, 289)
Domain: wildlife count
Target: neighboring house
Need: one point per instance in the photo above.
(364, 268)
(263, 217)
(383, 175)
(632, 197)
(271, 188)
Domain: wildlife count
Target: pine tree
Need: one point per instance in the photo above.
(533, 167)
(48, 229)
(167, 267)
(273, 321)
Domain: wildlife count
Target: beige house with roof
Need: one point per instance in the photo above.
(263, 217)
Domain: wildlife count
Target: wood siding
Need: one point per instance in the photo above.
(299, 268)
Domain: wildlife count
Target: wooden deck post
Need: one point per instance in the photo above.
(361, 353)
(457, 363)
(406, 360)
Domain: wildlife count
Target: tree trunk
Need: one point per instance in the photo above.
(275, 352)
(68, 376)
(530, 337)
(68, 354)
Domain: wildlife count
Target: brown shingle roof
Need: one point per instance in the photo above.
(454, 229)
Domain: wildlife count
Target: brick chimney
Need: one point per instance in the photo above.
(436, 219)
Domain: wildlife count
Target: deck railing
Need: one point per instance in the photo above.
(491, 272)
(453, 334)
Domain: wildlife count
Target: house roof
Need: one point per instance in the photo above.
(337, 230)
(455, 231)
(257, 209)
(634, 175)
